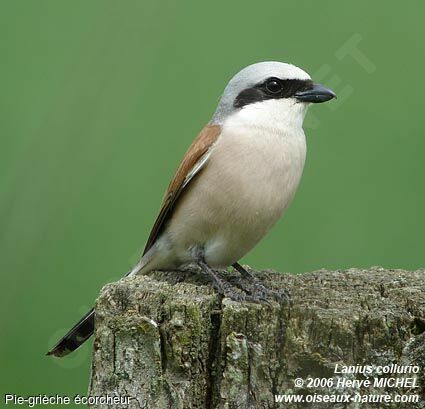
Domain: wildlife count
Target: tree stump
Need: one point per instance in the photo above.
(167, 340)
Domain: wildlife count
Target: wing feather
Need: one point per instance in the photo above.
(193, 162)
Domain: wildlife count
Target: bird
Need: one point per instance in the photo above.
(234, 183)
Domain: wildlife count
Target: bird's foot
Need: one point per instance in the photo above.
(226, 289)
(259, 291)
(252, 285)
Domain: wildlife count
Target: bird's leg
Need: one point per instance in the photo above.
(222, 286)
(258, 289)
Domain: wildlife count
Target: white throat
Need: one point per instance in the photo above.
(281, 115)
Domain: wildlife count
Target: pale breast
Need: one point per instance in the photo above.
(250, 179)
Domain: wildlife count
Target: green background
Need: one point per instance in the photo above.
(92, 92)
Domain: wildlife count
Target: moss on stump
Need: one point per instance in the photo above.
(167, 340)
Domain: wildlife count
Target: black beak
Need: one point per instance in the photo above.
(318, 93)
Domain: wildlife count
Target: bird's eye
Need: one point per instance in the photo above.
(274, 85)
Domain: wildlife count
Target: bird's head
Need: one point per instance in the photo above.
(272, 91)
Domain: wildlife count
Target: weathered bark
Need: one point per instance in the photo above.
(168, 341)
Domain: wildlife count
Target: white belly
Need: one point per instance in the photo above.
(249, 180)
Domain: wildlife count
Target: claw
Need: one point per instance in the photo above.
(259, 292)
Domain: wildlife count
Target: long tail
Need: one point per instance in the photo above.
(83, 329)
(75, 337)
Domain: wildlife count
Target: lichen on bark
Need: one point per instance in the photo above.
(168, 340)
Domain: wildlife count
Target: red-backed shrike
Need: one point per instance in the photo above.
(233, 184)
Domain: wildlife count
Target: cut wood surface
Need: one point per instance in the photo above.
(167, 340)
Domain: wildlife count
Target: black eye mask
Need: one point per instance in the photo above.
(272, 88)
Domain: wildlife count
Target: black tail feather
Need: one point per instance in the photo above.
(75, 337)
